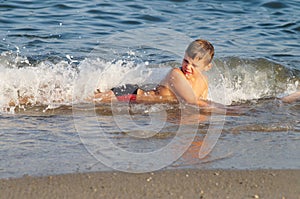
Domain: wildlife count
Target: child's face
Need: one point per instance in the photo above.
(190, 66)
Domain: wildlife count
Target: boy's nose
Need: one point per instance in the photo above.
(189, 65)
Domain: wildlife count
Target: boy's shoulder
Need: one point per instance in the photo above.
(176, 71)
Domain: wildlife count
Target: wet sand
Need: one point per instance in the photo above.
(162, 184)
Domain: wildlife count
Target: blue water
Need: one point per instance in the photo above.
(268, 29)
(60, 51)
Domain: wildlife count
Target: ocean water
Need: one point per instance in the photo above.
(58, 53)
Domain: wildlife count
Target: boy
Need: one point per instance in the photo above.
(292, 97)
(186, 83)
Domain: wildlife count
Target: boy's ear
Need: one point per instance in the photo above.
(208, 67)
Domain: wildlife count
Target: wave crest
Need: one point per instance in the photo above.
(57, 83)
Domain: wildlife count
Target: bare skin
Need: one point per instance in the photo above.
(188, 84)
(292, 97)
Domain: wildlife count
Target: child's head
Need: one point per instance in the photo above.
(201, 50)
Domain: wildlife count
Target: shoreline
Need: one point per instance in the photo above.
(281, 184)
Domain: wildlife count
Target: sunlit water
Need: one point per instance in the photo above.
(60, 52)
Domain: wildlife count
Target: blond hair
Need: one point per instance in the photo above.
(201, 49)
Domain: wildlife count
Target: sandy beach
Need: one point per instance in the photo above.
(162, 184)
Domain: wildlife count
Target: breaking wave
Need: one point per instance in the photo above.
(56, 82)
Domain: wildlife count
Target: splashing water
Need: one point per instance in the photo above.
(236, 80)
(60, 82)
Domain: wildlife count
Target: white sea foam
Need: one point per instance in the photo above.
(239, 80)
(48, 83)
(44, 83)
(58, 83)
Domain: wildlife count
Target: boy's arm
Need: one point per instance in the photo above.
(213, 107)
(180, 87)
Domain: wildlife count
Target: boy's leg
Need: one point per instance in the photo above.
(105, 97)
(292, 97)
